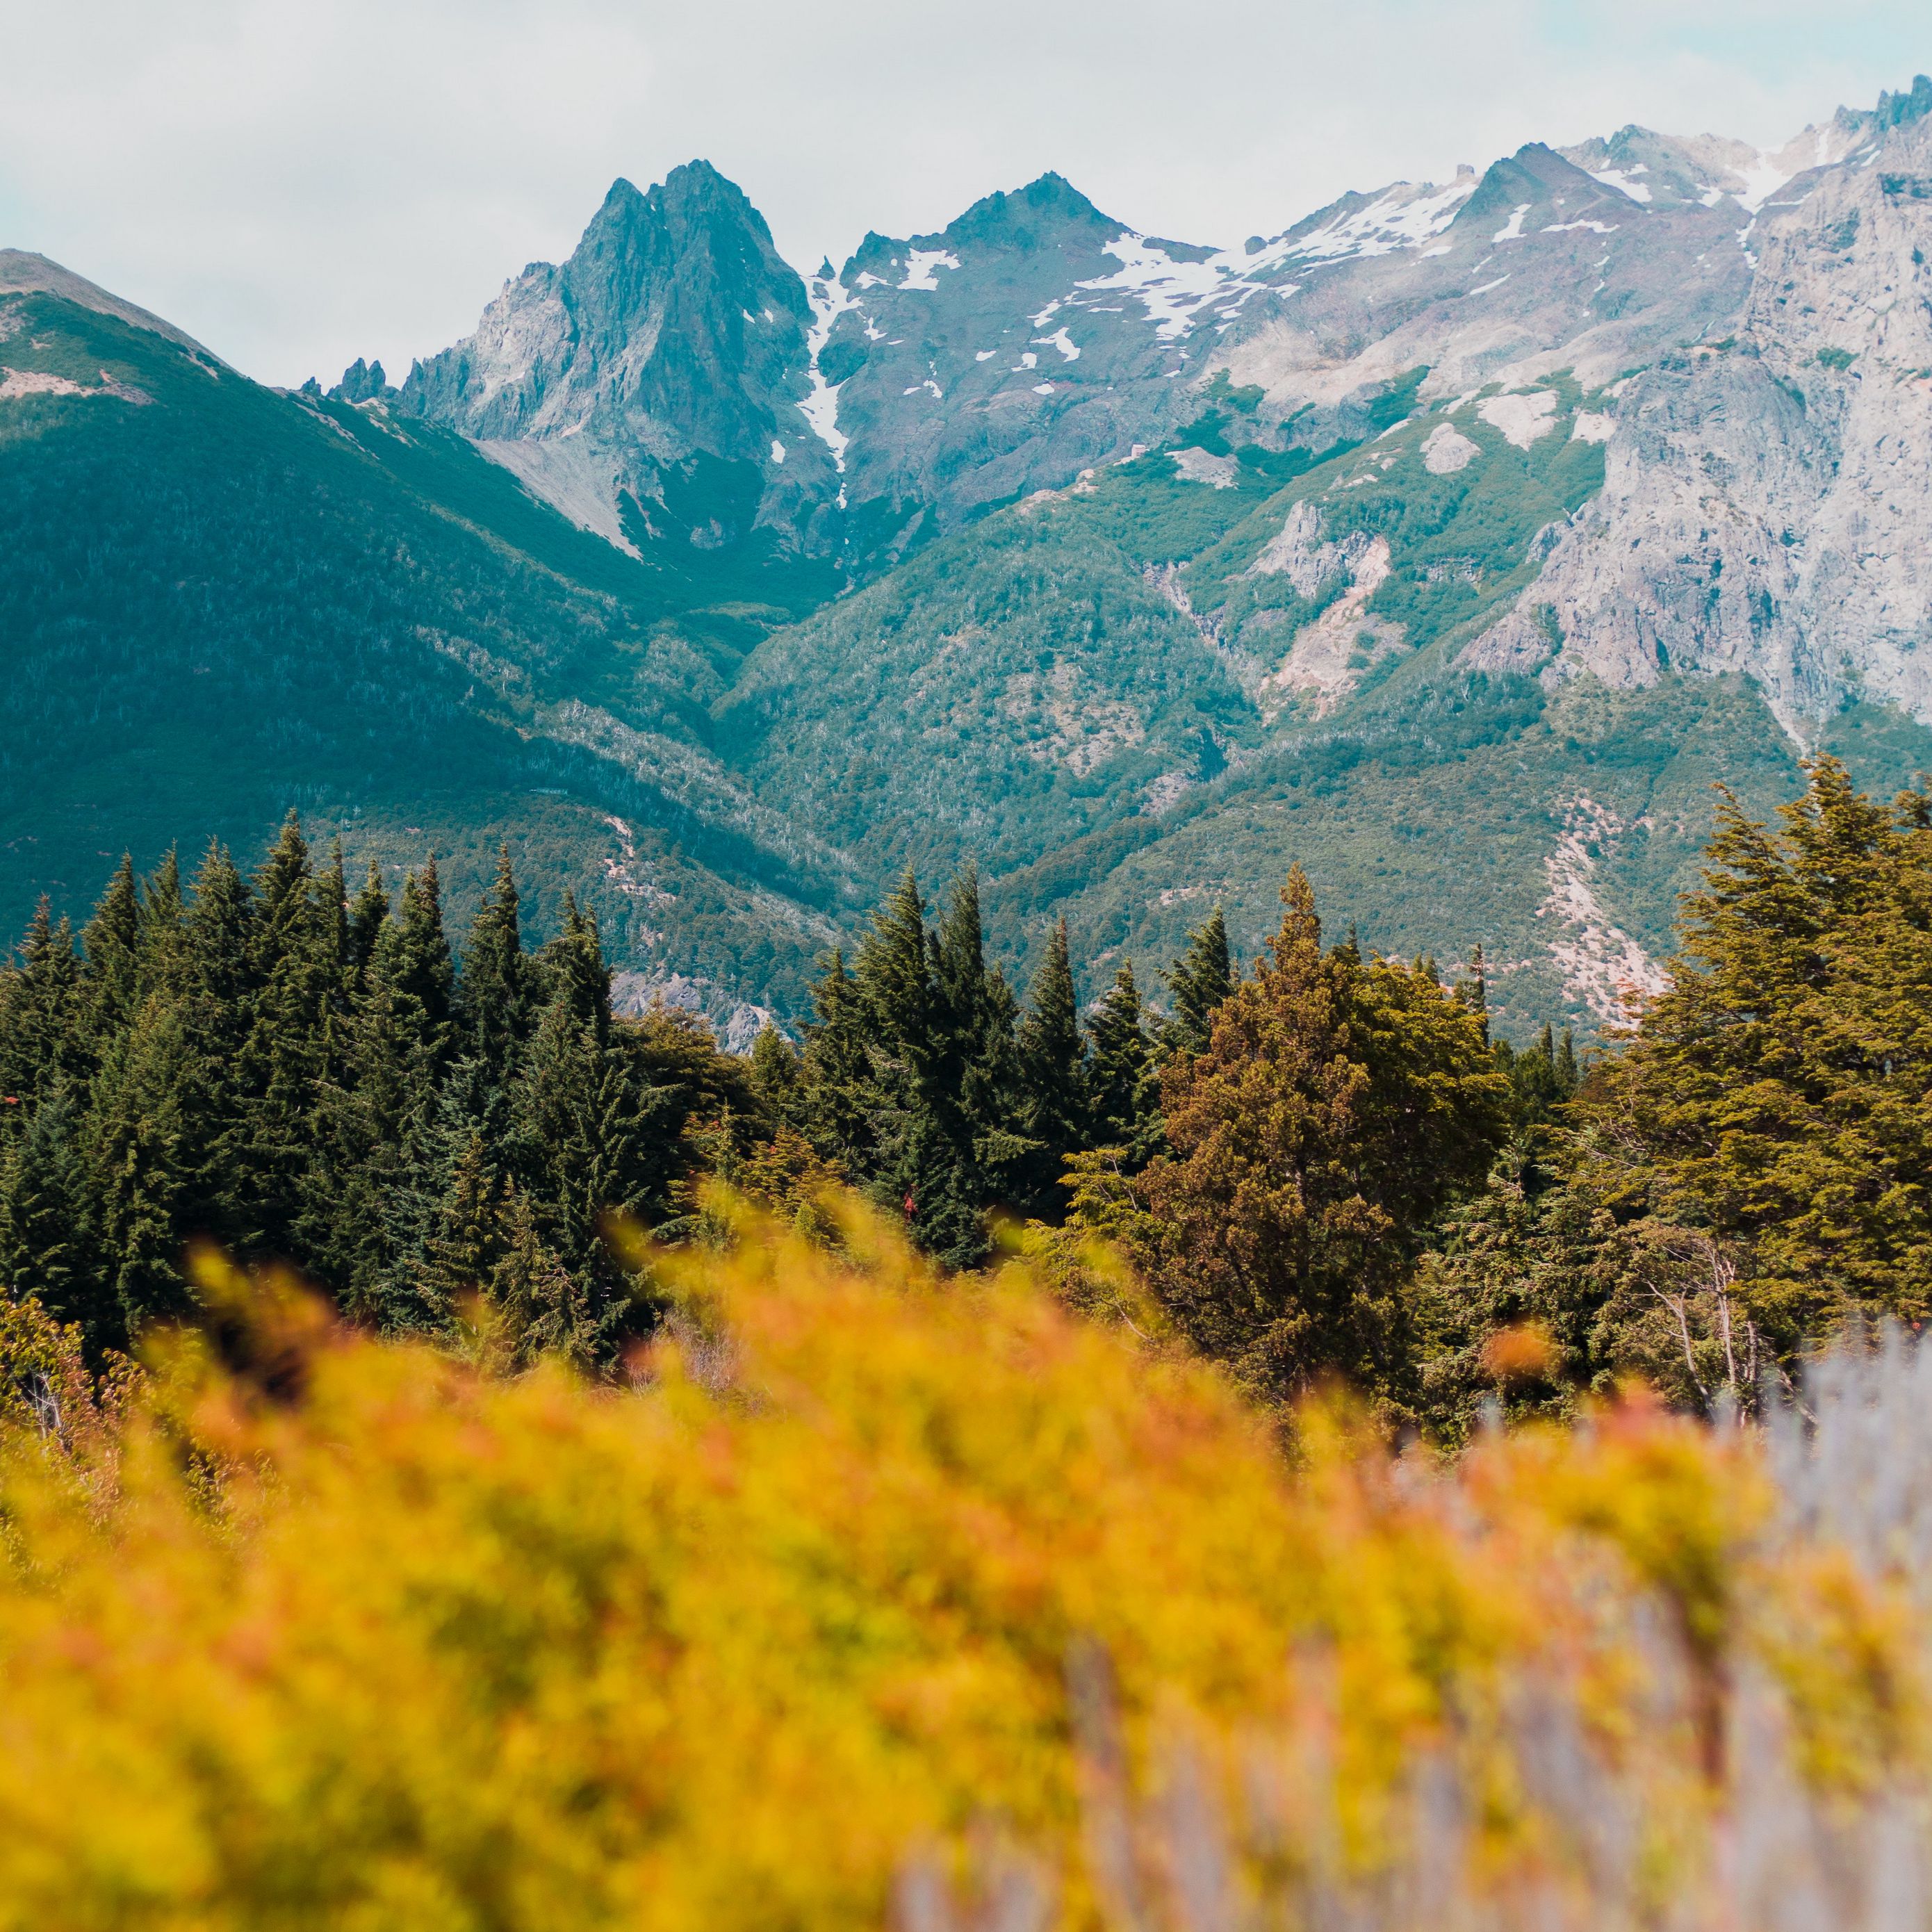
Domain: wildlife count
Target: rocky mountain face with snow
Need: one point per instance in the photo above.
(676, 379)
(1767, 496)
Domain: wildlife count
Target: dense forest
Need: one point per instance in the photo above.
(1324, 1168)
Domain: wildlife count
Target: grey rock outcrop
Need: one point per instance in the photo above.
(652, 381)
(1766, 498)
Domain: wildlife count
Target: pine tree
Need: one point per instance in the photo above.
(296, 970)
(220, 940)
(1124, 1079)
(495, 981)
(366, 916)
(152, 1162)
(112, 942)
(534, 1307)
(840, 1105)
(1053, 1075)
(1777, 1097)
(412, 954)
(894, 972)
(778, 1076)
(41, 1017)
(590, 1132)
(471, 1233)
(1197, 983)
(574, 974)
(162, 940)
(47, 1214)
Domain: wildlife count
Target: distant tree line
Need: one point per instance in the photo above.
(1324, 1169)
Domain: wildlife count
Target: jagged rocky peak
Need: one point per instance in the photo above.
(1007, 351)
(1534, 191)
(1028, 231)
(674, 335)
(361, 382)
(674, 318)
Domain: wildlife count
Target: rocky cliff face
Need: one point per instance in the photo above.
(649, 385)
(674, 379)
(1766, 496)
(676, 365)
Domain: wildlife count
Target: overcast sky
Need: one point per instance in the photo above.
(300, 181)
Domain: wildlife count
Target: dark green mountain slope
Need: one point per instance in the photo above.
(220, 602)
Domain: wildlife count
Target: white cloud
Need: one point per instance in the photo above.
(300, 184)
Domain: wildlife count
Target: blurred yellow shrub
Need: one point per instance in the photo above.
(363, 1638)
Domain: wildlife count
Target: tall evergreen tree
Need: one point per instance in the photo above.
(41, 1048)
(1339, 1104)
(368, 914)
(1197, 983)
(412, 954)
(1052, 1057)
(1124, 1078)
(111, 941)
(496, 982)
(839, 1105)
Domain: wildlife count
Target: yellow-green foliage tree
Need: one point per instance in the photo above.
(360, 1636)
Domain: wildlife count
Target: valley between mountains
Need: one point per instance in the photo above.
(1455, 542)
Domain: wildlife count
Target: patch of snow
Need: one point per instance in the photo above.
(1061, 341)
(1042, 388)
(1177, 294)
(1514, 231)
(1028, 360)
(1201, 466)
(1441, 248)
(1593, 426)
(1761, 181)
(778, 451)
(868, 280)
(830, 299)
(1569, 227)
(1625, 181)
(1047, 314)
(1447, 450)
(985, 355)
(1404, 216)
(920, 263)
(1522, 419)
(1487, 286)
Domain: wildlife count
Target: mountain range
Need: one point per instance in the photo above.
(1455, 540)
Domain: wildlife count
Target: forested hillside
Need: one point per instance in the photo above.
(224, 603)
